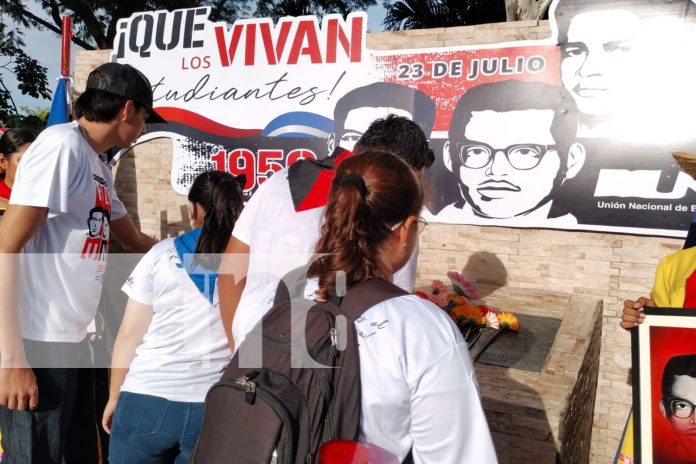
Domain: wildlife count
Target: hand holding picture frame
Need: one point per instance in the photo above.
(664, 386)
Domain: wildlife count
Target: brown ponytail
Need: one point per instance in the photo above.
(370, 193)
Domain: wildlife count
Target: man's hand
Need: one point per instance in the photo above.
(633, 312)
(18, 389)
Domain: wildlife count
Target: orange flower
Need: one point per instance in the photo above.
(509, 321)
(458, 300)
(467, 312)
(421, 294)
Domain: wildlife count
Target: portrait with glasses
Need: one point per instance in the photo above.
(677, 406)
(664, 386)
(511, 147)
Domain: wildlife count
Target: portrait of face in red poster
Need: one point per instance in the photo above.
(673, 394)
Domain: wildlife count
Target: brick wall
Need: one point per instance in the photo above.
(609, 266)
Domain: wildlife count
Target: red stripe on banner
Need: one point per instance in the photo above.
(202, 123)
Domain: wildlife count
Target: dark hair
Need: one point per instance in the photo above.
(684, 364)
(566, 10)
(220, 193)
(96, 209)
(13, 139)
(369, 194)
(400, 136)
(388, 95)
(100, 106)
(514, 95)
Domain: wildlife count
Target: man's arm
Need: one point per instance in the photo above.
(231, 282)
(134, 240)
(18, 388)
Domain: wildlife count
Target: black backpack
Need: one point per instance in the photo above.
(250, 412)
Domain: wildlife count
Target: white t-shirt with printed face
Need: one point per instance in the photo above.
(185, 348)
(280, 239)
(63, 264)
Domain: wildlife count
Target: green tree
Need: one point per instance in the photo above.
(278, 8)
(94, 21)
(423, 14)
(30, 75)
(35, 118)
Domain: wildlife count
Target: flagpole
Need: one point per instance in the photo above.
(61, 107)
(66, 35)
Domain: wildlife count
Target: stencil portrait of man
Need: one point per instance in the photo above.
(625, 63)
(511, 145)
(357, 109)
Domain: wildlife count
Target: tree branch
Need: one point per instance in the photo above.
(55, 29)
(9, 95)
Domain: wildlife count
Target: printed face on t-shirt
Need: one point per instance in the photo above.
(96, 221)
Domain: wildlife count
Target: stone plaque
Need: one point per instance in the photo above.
(525, 350)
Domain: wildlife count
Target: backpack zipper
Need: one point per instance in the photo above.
(324, 383)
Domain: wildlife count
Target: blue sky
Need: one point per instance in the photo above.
(44, 45)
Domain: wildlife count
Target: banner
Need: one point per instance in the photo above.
(571, 132)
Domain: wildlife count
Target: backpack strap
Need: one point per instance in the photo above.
(360, 298)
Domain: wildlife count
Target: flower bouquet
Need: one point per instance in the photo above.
(479, 324)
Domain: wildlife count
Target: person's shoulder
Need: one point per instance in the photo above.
(417, 317)
(69, 132)
(275, 186)
(686, 256)
(163, 245)
(278, 179)
(159, 250)
(59, 139)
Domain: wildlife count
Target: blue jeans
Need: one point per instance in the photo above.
(152, 430)
(52, 433)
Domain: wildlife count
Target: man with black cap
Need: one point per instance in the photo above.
(51, 298)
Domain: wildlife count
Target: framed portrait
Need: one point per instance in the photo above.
(663, 352)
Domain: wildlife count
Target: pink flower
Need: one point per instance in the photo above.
(492, 320)
(438, 293)
(462, 286)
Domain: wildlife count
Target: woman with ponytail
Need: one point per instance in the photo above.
(419, 392)
(171, 346)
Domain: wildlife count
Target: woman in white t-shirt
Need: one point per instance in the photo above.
(171, 346)
(419, 390)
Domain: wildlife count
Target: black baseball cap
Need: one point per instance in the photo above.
(125, 81)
